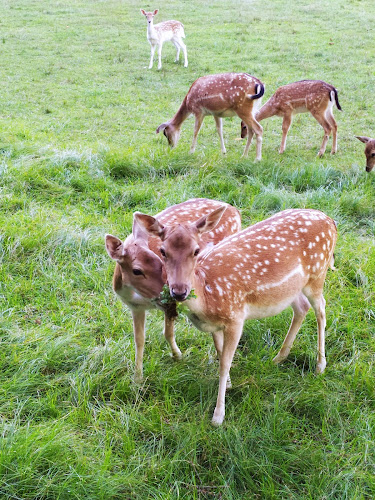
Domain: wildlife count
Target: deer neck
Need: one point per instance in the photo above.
(181, 115)
(151, 31)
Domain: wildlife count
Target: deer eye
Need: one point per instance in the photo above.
(196, 252)
(162, 251)
(372, 154)
(137, 272)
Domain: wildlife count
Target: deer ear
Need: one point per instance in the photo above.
(208, 222)
(156, 11)
(363, 138)
(149, 224)
(143, 12)
(161, 127)
(138, 232)
(114, 246)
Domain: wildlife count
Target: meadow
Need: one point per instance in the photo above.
(78, 155)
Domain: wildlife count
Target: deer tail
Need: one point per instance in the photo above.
(259, 91)
(336, 98)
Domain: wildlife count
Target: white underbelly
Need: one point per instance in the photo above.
(259, 312)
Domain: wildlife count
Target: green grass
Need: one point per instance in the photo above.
(78, 155)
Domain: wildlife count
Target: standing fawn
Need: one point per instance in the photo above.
(222, 95)
(314, 96)
(139, 277)
(253, 274)
(164, 32)
(369, 151)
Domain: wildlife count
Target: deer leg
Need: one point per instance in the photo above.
(253, 127)
(153, 47)
(160, 47)
(318, 303)
(219, 128)
(300, 308)
(218, 341)
(184, 50)
(232, 335)
(139, 318)
(333, 124)
(176, 44)
(197, 126)
(320, 118)
(170, 338)
(287, 121)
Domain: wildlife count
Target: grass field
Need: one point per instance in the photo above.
(78, 155)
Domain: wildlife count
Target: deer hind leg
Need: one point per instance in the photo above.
(139, 318)
(318, 303)
(219, 128)
(300, 308)
(333, 124)
(197, 126)
(153, 47)
(232, 335)
(184, 50)
(170, 338)
(287, 121)
(218, 338)
(253, 127)
(320, 118)
(176, 44)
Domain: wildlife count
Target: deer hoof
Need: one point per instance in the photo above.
(321, 365)
(217, 418)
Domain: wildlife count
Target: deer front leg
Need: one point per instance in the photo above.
(218, 338)
(139, 318)
(170, 338)
(232, 335)
(287, 120)
(219, 128)
(153, 47)
(160, 47)
(197, 126)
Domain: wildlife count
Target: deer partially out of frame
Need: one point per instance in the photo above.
(369, 151)
(139, 277)
(164, 32)
(221, 95)
(314, 96)
(253, 274)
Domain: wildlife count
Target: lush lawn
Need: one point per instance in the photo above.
(78, 154)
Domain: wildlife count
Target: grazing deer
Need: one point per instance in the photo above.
(256, 273)
(221, 95)
(369, 151)
(138, 276)
(314, 96)
(164, 32)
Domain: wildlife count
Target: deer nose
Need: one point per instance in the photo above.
(179, 293)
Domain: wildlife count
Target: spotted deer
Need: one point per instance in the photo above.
(166, 31)
(222, 95)
(256, 273)
(139, 275)
(314, 96)
(369, 151)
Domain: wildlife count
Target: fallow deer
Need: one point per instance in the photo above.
(222, 95)
(256, 273)
(369, 151)
(138, 276)
(164, 32)
(314, 96)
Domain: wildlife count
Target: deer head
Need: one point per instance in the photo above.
(369, 151)
(180, 256)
